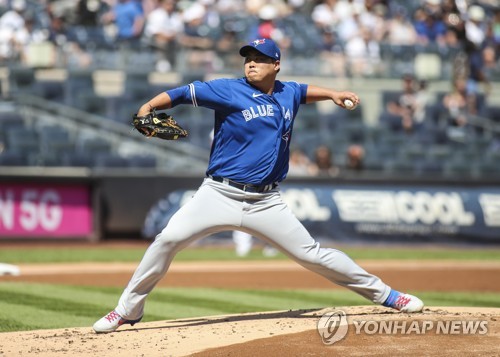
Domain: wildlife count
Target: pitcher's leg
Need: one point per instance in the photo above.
(149, 272)
(196, 219)
(279, 225)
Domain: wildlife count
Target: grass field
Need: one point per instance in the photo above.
(44, 306)
(54, 254)
(25, 306)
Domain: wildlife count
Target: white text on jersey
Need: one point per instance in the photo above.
(287, 114)
(258, 111)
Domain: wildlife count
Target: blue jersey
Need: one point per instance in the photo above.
(252, 130)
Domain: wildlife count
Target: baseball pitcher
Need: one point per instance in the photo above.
(254, 118)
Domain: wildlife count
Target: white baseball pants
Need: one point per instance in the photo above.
(217, 207)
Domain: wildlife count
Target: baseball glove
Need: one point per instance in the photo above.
(159, 125)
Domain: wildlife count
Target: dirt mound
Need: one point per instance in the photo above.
(372, 330)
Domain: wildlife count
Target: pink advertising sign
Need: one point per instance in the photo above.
(45, 210)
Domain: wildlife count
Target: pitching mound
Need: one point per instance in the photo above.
(371, 330)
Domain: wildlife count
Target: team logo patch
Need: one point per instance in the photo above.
(259, 42)
(286, 136)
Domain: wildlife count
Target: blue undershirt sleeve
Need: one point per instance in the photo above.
(179, 95)
(214, 94)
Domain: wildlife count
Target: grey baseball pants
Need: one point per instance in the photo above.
(217, 207)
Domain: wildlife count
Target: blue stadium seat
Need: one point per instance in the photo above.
(142, 161)
(55, 140)
(109, 160)
(21, 79)
(23, 140)
(77, 83)
(75, 159)
(92, 146)
(9, 158)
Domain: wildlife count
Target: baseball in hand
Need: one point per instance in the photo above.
(349, 104)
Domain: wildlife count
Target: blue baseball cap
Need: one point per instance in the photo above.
(265, 46)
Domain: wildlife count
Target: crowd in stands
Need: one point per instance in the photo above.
(333, 38)
(352, 37)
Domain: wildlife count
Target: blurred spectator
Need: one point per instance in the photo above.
(494, 31)
(299, 164)
(269, 26)
(57, 31)
(374, 18)
(14, 18)
(452, 18)
(69, 51)
(163, 28)
(304, 37)
(243, 243)
(128, 18)
(407, 110)
(12, 23)
(400, 30)
(475, 33)
(230, 7)
(147, 5)
(65, 9)
(333, 61)
(32, 45)
(324, 15)
(491, 64)
(492, 50)
(428, 24)
(459, 104)
(201, 27)
(363, 54)
(227, 46)
(355, 156)
(349, 24)
(324, 164)
(89, 12)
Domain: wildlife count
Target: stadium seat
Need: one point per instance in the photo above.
(142, 161)
(55, 140)
(21, 79)
(430, 166)
(489, 168)
(413, 152)
(23, 140)
(9, 158)
(373, 163)
(92, 146)
(137, 85)
(427, 66)
(109, 160)
(75, 159)
(398, 166)
(439, 153)
(457, 169)
(78, 82)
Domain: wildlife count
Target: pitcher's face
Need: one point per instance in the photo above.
(259, 67)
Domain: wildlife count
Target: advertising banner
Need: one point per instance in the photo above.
(353, 213)
(45, 210)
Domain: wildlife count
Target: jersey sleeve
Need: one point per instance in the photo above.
(214, 94)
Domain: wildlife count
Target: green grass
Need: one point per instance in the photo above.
(27, 306)
(51, 254)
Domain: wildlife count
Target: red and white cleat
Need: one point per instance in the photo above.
(111, 322)
(404, 302)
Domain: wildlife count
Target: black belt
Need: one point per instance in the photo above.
(244, 186)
